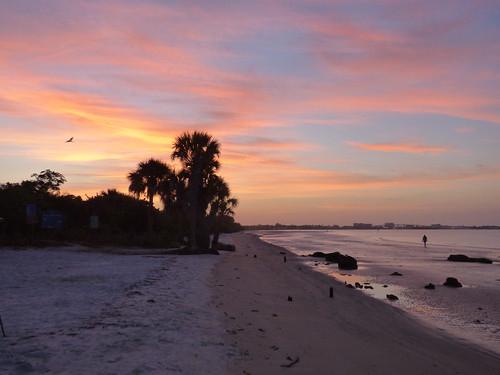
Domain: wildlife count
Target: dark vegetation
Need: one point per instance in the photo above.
(196, 205)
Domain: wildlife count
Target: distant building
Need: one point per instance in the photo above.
(389, 225)
(436, 226)
(362, 226)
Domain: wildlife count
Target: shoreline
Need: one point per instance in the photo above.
(471, 312)
(76, 312)
(367, 335)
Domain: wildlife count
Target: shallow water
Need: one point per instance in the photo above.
(471, 312)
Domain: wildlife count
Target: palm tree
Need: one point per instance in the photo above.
(221, 205)
(199, 153)
(169, 190)
(147, 180)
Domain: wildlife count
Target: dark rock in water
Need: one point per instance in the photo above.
(358, 285)
(430, 286)
(282, 253)
(396, 274)
(392, 297)
(349, 286)
(290, 299)
(465, 258)
(452, 282)
(368, 287)
(347, 262)
(255, 255)
(151, 301)
(333, 257)
(317, 254)
(226, 247)
(384, 286)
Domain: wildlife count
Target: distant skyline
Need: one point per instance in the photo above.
(329, 112)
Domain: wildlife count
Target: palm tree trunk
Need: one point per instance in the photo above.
(193, 193)
(150, 215)
(193, 218)
(215, 240)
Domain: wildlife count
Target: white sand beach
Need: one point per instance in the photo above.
(74, 312)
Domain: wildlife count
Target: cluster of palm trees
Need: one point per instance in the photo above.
(195, 193)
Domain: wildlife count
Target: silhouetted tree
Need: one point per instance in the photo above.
(118, 212)
(43, 190)
(196, 202)
(222, 205)
(147, 180)
(48, 181)
(199, 153)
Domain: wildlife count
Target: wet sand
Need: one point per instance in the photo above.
(349, 334)
(471, 312)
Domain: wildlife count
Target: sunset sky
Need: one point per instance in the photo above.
(328, 112)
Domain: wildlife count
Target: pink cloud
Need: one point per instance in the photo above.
(409, 148)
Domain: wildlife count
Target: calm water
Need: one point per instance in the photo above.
(471, 313)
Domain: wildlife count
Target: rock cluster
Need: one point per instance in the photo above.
(452, 282)
(465, 258)
(344, 262)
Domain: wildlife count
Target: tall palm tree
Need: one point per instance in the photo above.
(147, 180)
(221, 205)
(199, 153)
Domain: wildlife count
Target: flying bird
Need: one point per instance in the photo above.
(69, 140)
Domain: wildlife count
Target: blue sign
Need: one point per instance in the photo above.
(52, 220)
(31, 217)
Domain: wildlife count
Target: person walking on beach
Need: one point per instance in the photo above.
(424, 240)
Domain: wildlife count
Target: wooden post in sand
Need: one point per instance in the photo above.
(331, 292)
(284, 259)
(1, 326)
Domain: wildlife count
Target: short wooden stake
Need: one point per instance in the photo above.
(284, 259)
(331, 292)
(1, 326)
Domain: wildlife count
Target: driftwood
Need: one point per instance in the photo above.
(292, 363)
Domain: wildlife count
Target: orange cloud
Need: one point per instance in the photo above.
(410, 148)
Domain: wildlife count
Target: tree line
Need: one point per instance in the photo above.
(197, 204)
